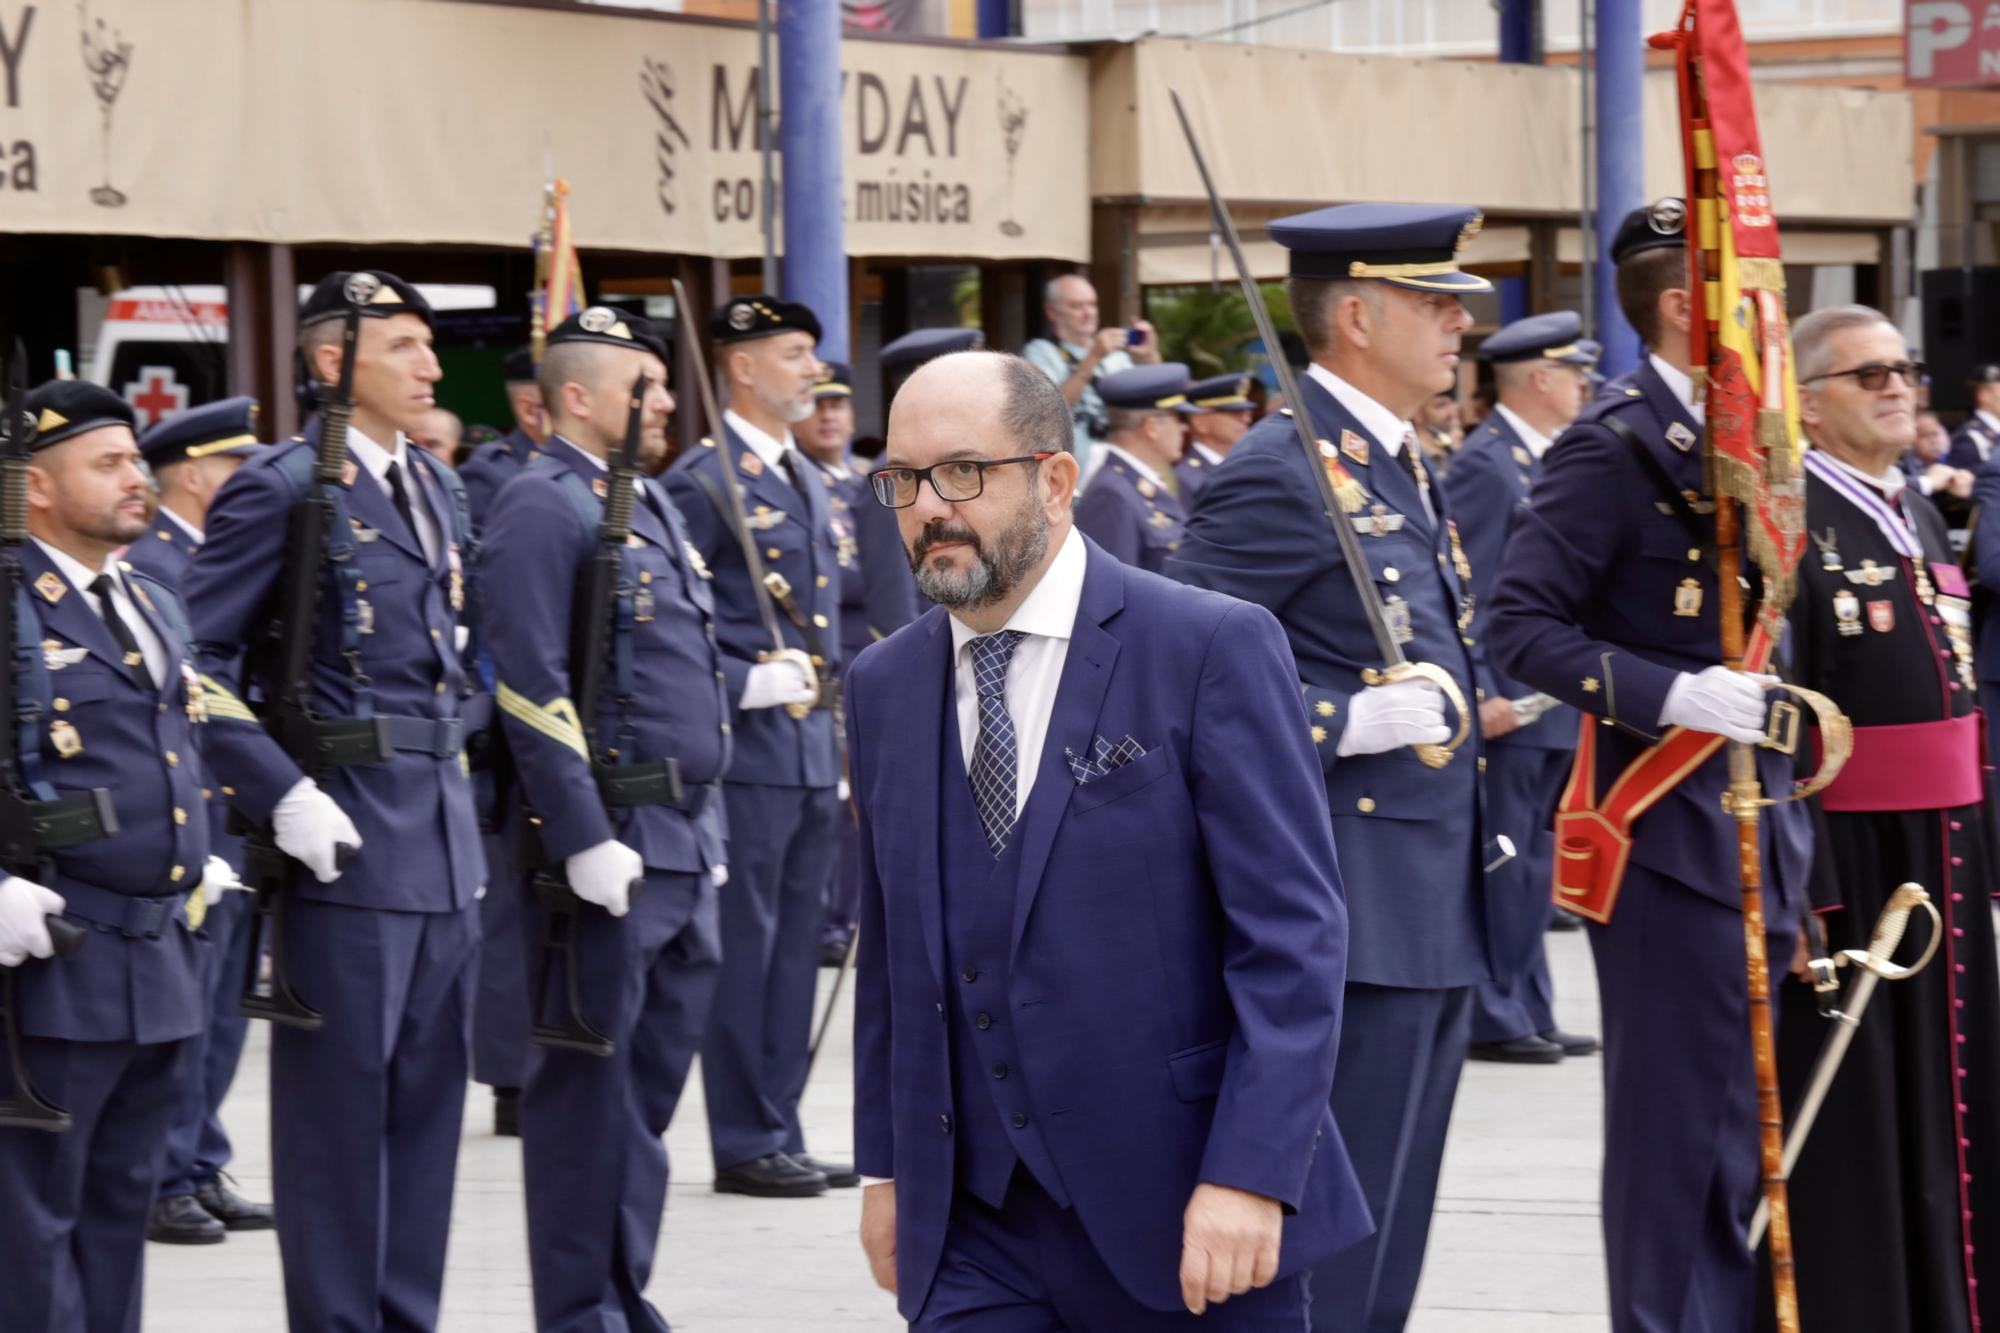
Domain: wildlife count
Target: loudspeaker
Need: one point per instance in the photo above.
(1961, 330)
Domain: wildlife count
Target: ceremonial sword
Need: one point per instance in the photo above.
(1871, 964)
(1395, 666)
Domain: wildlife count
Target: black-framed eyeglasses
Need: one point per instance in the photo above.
(955, 481)
(1875, 375)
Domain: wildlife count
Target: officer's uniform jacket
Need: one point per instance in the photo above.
(138, 977)
(535, 543)
(490, 467)
(165, 551)
(794, 535)
(1130, 515)
(420, 835)
(878, 595)
(1488, 486)
(1603, 600)
(1408, 834)
(1972, 444)
(1193, 471)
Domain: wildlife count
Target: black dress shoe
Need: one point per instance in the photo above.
(235, 1212)
(773, 1177)
(506, 1113)
(1520, 1051)
(1562, 922)
(181, 1220)
(833, 952)
(1571, 1043)
(839, 1175)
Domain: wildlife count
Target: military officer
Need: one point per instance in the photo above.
(1973, 442)
(878, 596)
(496, 462)
(900, 356)
(631, 810)
(106, 1034)
(365, 1111)
(782, 787)
(1607, 600)
(191, 454)
(1376, 289)
(1218, 411)
(1133, 506)
(1539, 373)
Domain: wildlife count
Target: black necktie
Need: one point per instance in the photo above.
(401, 495)
(789, 461)
(121, 632)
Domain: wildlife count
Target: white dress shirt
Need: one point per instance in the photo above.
(1046, 616)
(1681, 383)
(1390, 431)
(1536, 442)
(81, 576)
(772, 452)
(376, 460)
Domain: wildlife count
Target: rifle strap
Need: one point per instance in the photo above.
(32, 695)
(340, 569)
(624, 658)
(786, 602)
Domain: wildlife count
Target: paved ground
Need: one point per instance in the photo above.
(1514, 1248)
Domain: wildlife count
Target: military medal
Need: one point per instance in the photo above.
(1147, 490)
(1396, 615)
(1347, 492)
(1870, 573)
(1679, 436)
(752, 464)
(1687, 598)
(197, 698)
(364, 616)
(695, 562)
(1379, 523)
(51, 587)
(457, 580)
(1847, 612)
(600, 488)
(1925, 592)
(63, 736)
(55, 657)
(1882, 616)
(1459, 563)
(642, 606)
(1522, 456)
(1829, 550)
(1354, 447)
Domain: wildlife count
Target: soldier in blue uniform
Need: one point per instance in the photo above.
(365, 1111)
(108, 1033)
(1540, 375)
(1376, 289)
(1607, 600)
(1218, 411)
(1132, 507)
(782, 787)
(900, 356)
(497, 462)
(592, 1126)
(1973, 442)
(878, 596)
(191, 454)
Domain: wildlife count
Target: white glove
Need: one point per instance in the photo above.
(1719, 701)
(308, 826)
(771, 684)
(219, 877)
(25, 908)
(1388, 717)
(603, 875)
(720, 875)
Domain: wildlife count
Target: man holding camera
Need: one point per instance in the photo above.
(1077, 353)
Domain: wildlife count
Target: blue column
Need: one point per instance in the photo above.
(810, 149)
(1621, 165)
(1517, 47)
(996, 19)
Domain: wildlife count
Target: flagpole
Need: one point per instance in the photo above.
(538, 322)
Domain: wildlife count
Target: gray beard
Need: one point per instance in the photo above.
(990, 578)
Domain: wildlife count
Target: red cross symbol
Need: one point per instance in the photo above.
(156, 395)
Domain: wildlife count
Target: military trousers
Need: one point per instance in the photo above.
(197, 1145)
(506, 968)
(1522, 784)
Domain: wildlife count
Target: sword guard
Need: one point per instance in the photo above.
(1836, 736)
(1879, 956)
(1435, 756)
(797, 712)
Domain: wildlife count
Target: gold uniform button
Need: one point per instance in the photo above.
(61, 705)
(1482, 763)
(207, 795)
(440, 687)
(719, 676)
(725, 728)
(1694, 553)
(173, 760)
(180, 815)
(229, 791)
(1467, 640)
(436, 635)
(820, 621)
(1477, 692)
(645, 576)
(174, 875)
(1391, 574)
(820, 582)
(361, 585)
(772, 553)
(1366, 805)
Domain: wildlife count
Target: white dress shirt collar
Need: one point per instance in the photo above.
(1209, 456)
(1889, 485)
(1679, 382)
(80, 576)
(378, 461)
(771, 451)
(1537, 443)
(193, 532)
(582, 452)
(376, 458)
(1049, 609)
(1379, 421)
(1143, 469)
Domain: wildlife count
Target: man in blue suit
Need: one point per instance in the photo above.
(1102, 928)
(1218, 413)
(191, 454)
(1541, 375)
(106, 1034)
(633, 821)
(1607, 600)
(1132, 507)
(497, 462)
(365, 1111)
(1376, 291)
(782, 789)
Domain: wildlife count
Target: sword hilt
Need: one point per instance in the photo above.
(1880, 954)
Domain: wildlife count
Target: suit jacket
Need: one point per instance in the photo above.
(1178, 934)
(1488, 487)
(420, 834)
(1409, 835)
(1603, 600)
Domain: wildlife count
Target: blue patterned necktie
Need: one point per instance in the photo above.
(994, 752)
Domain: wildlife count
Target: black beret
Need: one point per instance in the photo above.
(379, 295)
(519, 367)
(760, 316)
(63, 409)
(1657, 226)
(612, 327)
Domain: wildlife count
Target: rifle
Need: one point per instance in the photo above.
(288, 710)
(601, 586)
(33, 820)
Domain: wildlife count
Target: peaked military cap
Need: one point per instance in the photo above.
(379, 295)
(760, 316)
(1657, 226)
(1405, 245)
(1219, 393)
(920, 345)
(1159, 387)
(519, 367)
(836, 380)
(222, 429)
(63, 409)
(1593, 349)
(610, 326)
(1554, 336)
